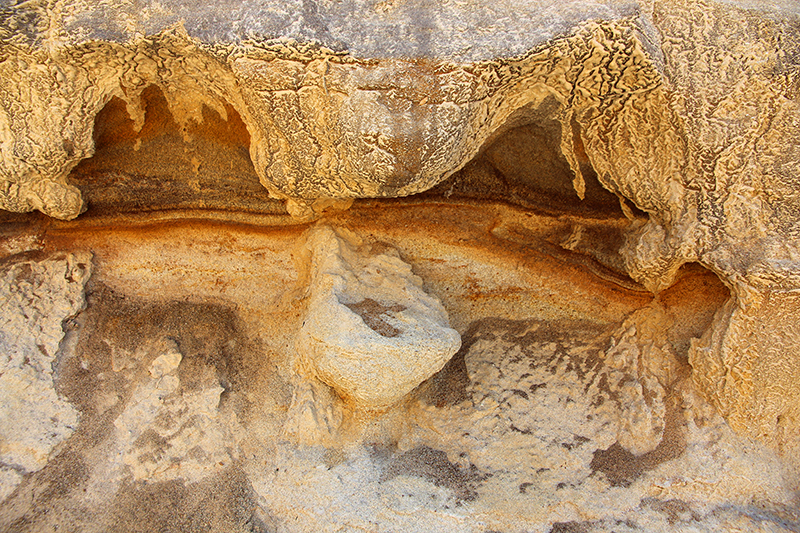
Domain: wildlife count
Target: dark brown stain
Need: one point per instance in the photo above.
(434, 466)
(449, 385)
(675, 510)
(571, 527)
(370, 312)
(622, 468)
(221, 503)
(211, 340)
(209, 336)
(50, 490)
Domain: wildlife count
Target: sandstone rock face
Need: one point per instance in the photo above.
(167, 432)
(371, 333)
(37, 297)
(332, 266)
(193, 414)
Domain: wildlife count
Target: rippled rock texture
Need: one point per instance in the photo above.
(334, 266)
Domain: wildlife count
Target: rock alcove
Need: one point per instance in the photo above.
(305, 282)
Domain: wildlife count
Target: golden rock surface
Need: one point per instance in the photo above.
(386, 266)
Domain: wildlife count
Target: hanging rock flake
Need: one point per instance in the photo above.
(371, 333)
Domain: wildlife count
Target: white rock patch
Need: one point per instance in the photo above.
(166, 433)
(35, 298)
(371, 332)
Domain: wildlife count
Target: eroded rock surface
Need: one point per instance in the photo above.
(167, 431)
(37, 296)
(192, 414)
(371, 332)
(599, 198)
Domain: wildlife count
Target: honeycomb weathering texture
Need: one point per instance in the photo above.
(687, 116)
(600, 199)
